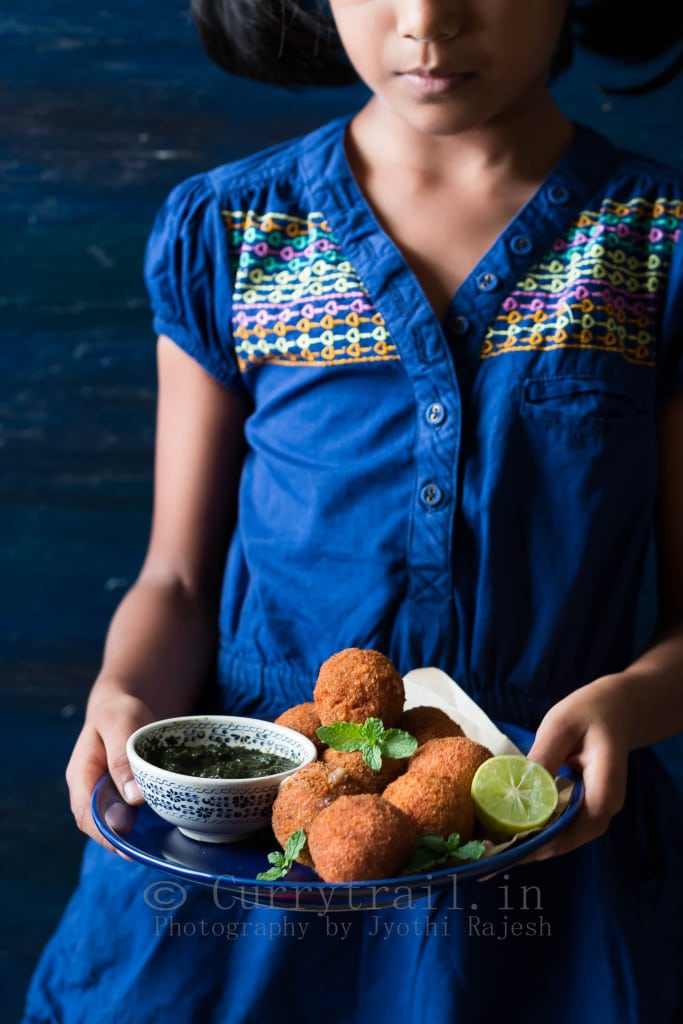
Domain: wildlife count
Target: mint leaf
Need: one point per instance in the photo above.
(372, 757)
(271, 875)
(371, 738)
(346, 736)
(435, 843)
(473, 850)
(295, 844)
(420, 863)
(453, 842)
(397, 743)
(282, 862)
(280, 867)
(434, 851)
(373, 729)
(431, 851)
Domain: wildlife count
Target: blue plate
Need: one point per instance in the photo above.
(230, 869)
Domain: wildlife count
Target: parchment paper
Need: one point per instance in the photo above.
(434, 688)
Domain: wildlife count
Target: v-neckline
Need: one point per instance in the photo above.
(537, 223)
(473, 268)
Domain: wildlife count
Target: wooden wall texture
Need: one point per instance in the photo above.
(102, 110)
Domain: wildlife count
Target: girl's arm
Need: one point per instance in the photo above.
(595, 727)
(161, 642)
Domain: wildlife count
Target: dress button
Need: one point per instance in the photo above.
(435, 414)
(431, 495)
(521, 244)
(487, 282)
(558, 194)
(460, 325)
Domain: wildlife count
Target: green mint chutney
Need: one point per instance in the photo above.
(215, 760)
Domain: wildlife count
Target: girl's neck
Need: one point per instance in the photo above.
(444, 200)
(525, 147)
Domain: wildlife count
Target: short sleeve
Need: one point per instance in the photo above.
(189, 280)
(670, 382)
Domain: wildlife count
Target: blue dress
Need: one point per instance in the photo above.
(476, 495)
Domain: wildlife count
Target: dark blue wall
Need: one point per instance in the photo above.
(102, 111)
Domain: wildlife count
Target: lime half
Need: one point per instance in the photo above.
(513, 794)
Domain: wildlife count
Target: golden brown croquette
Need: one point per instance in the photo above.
(359, 838)
(434, 803)
(455, 756)
(356, 684)
(427, 723)
(303, 795)
(304, 719)
(353, 763)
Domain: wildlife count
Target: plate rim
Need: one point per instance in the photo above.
(426, 880)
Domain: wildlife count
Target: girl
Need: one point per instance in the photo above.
(449, 330)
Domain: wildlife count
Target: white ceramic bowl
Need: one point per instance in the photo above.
(215, 810)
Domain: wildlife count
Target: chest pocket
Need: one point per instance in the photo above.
(586, 404)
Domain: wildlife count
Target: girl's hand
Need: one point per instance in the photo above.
(101, 747)
(594, 728)
(589, 730)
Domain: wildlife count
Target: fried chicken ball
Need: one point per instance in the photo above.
(356, 684)
(353, 763)
(304, 719)
(427, 723)
(303, 795)
(455, 756)
(434, 803)
(359, 838)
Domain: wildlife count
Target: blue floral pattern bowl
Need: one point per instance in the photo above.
(215, 810)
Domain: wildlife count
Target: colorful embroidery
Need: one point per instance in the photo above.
(296, 300)
(600, 287)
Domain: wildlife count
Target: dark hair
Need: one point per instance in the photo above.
(295, 43)
(283, 42)
(621, 32)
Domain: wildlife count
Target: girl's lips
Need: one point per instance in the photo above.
(433, 83)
